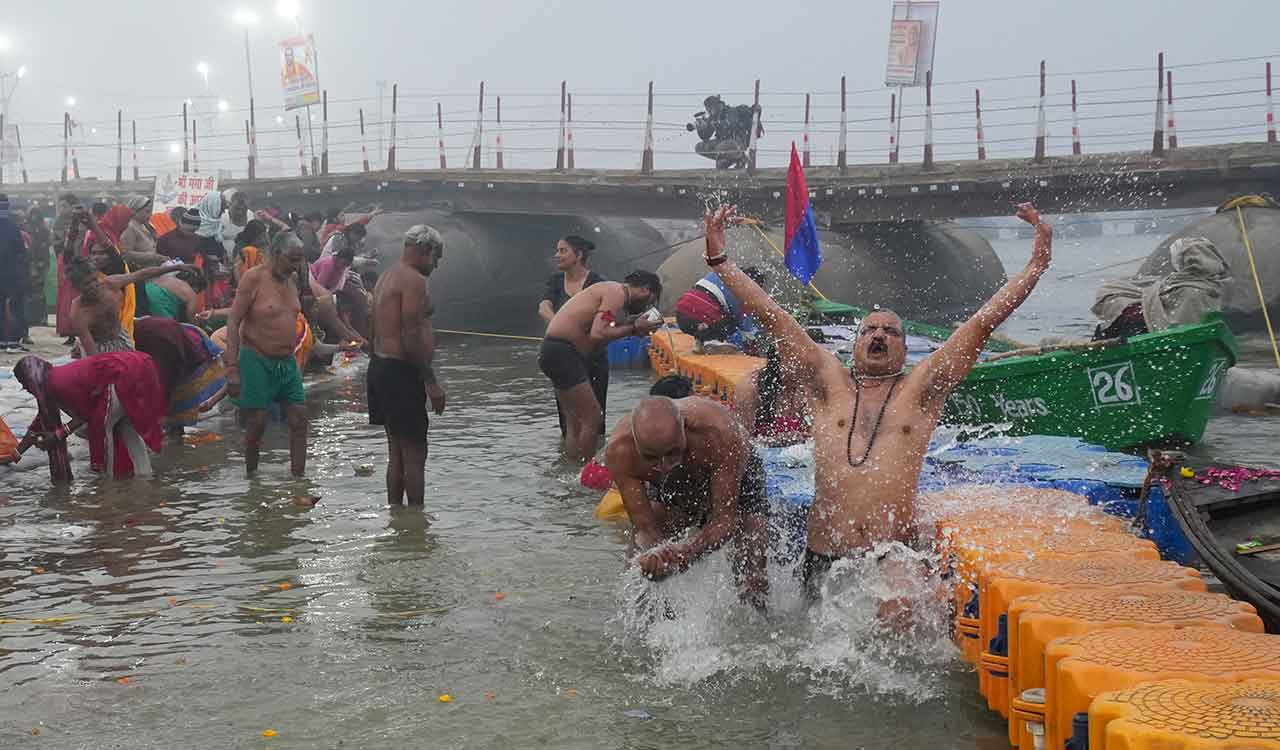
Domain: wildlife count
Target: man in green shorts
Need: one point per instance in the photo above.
(261, 369)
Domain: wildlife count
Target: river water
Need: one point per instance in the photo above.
(200, 609)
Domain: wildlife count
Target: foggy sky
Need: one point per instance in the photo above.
(141, 56)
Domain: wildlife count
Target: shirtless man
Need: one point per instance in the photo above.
(601, 313)
(400, 379)
(687, 463)
(259, 358)
(872, 424)
(95, 314)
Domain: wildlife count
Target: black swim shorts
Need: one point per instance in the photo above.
(562, 363)
(397, 398)
(815, 566)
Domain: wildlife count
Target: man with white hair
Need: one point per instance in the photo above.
(400, 379)
(261, 369)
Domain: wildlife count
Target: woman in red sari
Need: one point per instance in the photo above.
(117, 395)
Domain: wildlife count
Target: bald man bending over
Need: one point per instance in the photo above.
(687, 463)
(872, 421)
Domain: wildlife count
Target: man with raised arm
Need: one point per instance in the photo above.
(872, 422)
(400, 379)
(598, 314)
(687, 464)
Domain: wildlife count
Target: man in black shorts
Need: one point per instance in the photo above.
(400, 379)
(603, 312)
(687, 464)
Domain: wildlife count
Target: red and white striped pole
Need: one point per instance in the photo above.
(755, 130)
(1170, 127)
(1157, 141)
(302, 160)
(66, 135)
(391, 150)
(977, 108)
(119, 145)
(568, 133)
(1075, 122)
(646, 158)
(477, 139)
(324, 132)
(842, 156)
(1042, 125)
(560, 148)
(22, 162)
(195, 147)
(498, 136)
(893, 121)
(1271, 110)
(928, 119)
(805, 156)
(440, 134)
(364, 150)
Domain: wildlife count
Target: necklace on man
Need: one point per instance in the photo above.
(875, 429)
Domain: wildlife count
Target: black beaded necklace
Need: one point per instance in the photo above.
(875, 430)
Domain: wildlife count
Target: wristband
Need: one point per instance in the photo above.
(716, 260)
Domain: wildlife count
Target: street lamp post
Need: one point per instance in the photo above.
(247, 18)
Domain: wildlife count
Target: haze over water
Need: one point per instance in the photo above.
(183, 584)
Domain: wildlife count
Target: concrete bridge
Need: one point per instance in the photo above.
(1186, 177)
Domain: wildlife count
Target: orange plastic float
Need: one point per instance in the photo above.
(1079, 668)
(713, 375)
(1187, 715)
(1036, 620)
(1001, 584)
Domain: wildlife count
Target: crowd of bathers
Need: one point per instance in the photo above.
(129, 280)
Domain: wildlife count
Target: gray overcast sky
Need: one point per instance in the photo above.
(141, 55)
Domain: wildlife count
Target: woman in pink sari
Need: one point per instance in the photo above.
(117, 395)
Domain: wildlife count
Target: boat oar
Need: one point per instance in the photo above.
(1257, 284)
(1032, 351)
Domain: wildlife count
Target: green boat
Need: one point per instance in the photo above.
(1153, 389)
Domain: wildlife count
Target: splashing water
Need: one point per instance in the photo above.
(695, 629)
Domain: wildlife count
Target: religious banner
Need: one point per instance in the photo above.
(184, 189)
(912, 34)
(298, 72)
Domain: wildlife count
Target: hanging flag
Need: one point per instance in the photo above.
(803, 256)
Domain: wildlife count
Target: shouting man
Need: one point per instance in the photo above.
(872, 423)
(600, 313)
(687, 463)
(400, 379)
(261, 368)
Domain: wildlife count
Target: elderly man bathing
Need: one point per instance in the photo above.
(400, 380)
(872, 422)
(261, 368)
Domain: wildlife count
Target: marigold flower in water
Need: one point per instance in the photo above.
(269, 733)
(1187, 472)
(446, 698)
(499, 596)
(286, 619)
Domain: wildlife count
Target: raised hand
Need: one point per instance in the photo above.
(715, 223)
